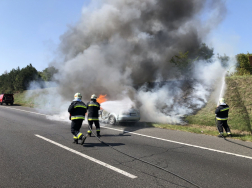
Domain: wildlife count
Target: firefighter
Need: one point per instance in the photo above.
(77, 111)
(221, 113)
(93, 108)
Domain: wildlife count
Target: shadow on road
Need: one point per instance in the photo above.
(132, 127)
(237, 143)
(11, 105)
(101, 144)
(113, 135)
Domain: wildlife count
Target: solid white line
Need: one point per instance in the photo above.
(219, 151)
(25, 111)
(90, 158)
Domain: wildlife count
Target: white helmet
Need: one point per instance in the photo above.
(77, 96)
(222, 100)
(93, 96)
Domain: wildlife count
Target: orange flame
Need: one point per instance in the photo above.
(101, 99)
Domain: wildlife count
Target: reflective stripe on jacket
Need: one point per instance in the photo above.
(77, 109)
(222, 112)
(77, 117)
(93, 119)
(93, 110)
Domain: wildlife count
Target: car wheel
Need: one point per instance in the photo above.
(1, 103)
(11, 103)
(112, 120)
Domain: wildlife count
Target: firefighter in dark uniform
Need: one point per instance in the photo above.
(93, 108)
(221, 113)
(77, 111)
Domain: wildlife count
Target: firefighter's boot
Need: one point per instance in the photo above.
(75, 140)
(220, 135)
(98, 134)
(83, 138)
(89, 133)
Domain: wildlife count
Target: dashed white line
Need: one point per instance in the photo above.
(181, 143)
(90, 158)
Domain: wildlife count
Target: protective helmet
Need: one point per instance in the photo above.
(222, 100)
(93, 96)
(77, 96)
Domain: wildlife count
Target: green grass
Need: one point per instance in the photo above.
(30, 97)
(238, 96)
(20, 99)
(207, 130)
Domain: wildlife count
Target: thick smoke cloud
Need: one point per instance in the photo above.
(118, 46)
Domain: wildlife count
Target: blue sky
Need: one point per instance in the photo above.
(234, 34)
(30, 30)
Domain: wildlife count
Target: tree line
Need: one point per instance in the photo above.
(184, 60)
(18, 80)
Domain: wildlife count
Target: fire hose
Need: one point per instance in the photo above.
(229, 140)
(143, 160)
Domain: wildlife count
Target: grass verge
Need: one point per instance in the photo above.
(238, 95)
(32, 98)
(207, 130)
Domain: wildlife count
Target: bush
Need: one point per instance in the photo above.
(243, 64)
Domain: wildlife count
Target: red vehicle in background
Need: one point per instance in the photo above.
(7, 99)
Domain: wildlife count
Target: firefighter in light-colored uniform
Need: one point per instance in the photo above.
(222, 117)
(77, 111)
(93, 108)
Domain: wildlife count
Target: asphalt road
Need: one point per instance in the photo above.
(38, 152)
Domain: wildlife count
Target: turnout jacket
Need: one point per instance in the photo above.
(222, 112)
(77, 110)
(93, 108)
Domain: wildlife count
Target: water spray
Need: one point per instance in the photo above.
(222, 87)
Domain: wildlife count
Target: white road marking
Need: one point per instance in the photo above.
(205, 148)
(25, 111)
(90, 158)
(219, 151)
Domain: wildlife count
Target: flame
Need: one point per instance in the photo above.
(101, 99)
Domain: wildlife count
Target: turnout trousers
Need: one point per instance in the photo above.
(221, 124)
(75, 126)
(97, 125)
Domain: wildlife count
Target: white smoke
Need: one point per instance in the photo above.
(118, 106)
(206, 77)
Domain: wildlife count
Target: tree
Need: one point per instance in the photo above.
(224, 60)
(47, 74)
(243, 65)
(205, 53)
(181, 61)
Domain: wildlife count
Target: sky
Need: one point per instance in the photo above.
(30, 30)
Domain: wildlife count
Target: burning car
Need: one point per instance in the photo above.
(131, 115)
